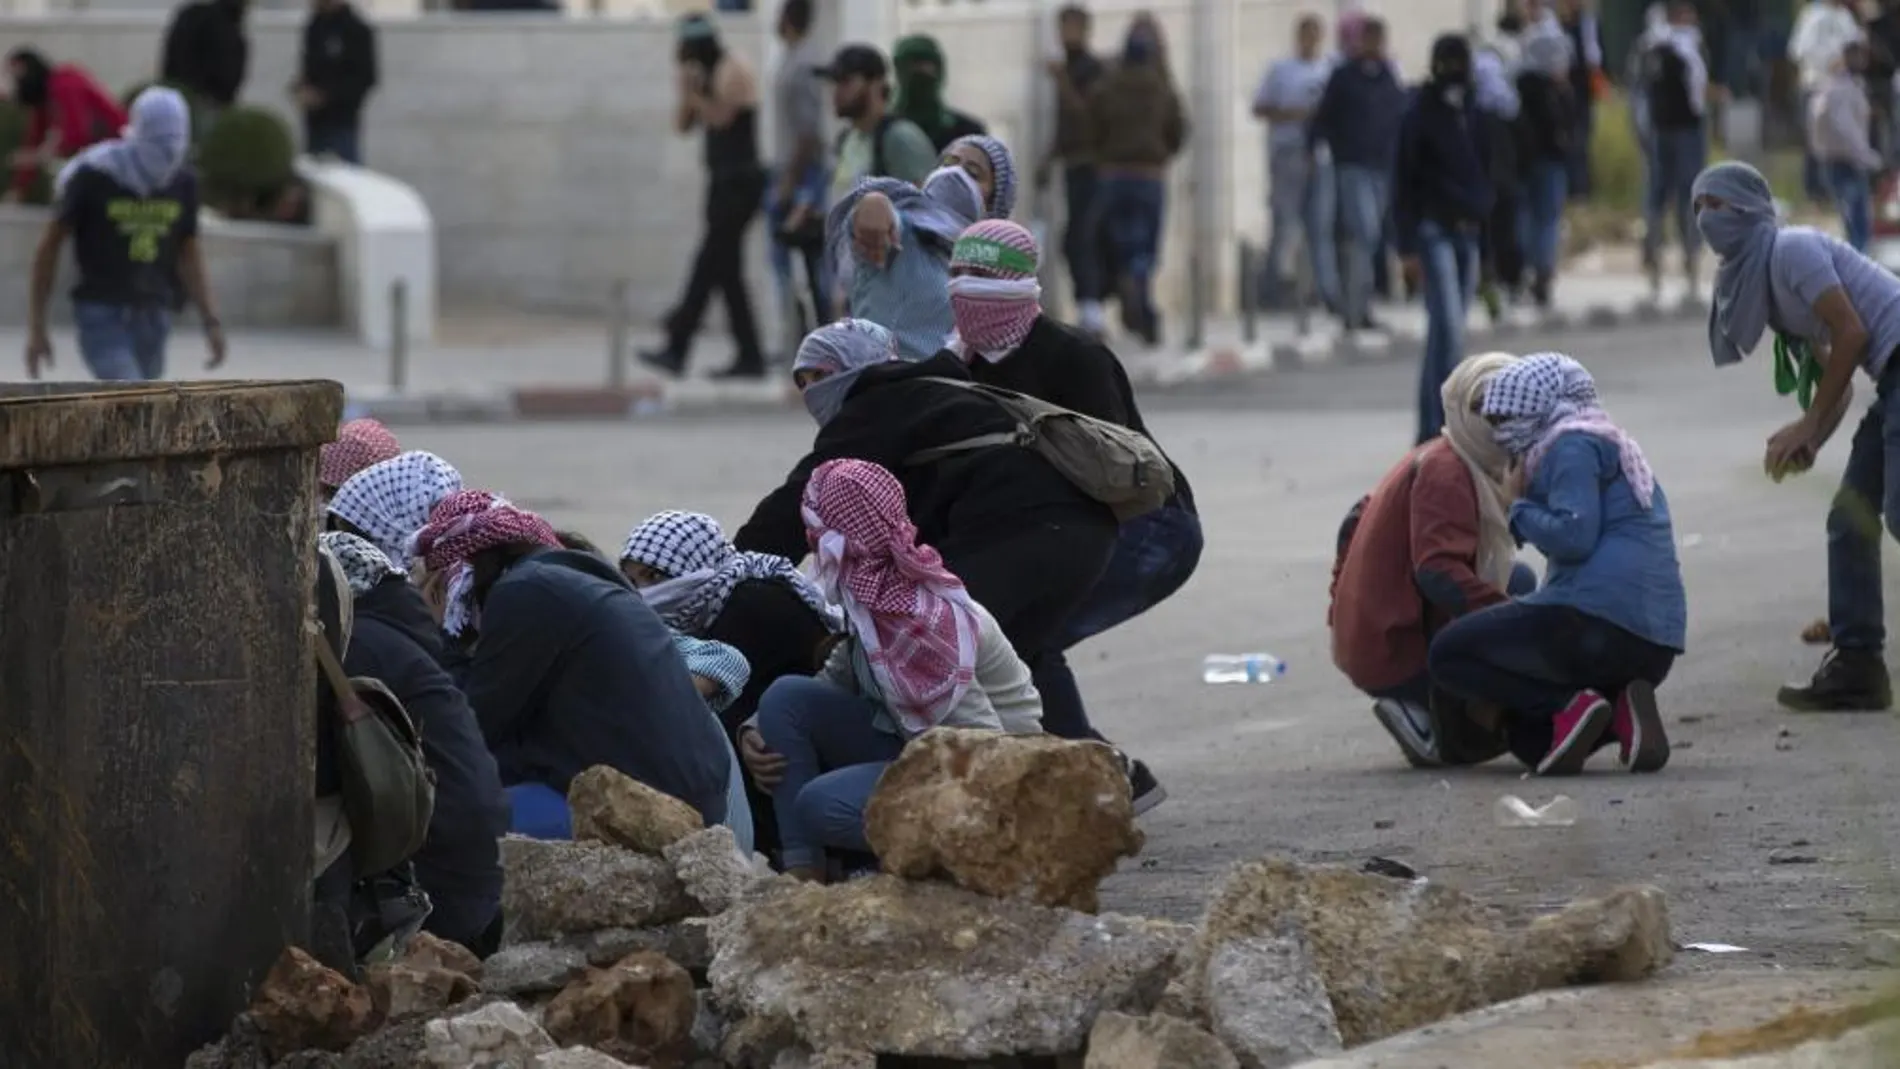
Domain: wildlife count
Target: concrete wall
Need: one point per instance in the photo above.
(262, 275)
(543, 144)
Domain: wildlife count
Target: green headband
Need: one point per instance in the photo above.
(978, 251)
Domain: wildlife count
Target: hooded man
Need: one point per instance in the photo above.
(921, 75)
(206, 51)
(131, 207)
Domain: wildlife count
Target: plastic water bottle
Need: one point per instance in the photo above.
(1242, 668)
(1514, 812)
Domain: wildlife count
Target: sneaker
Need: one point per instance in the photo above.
(1412, 727)
(665, 361)
(742, 370)
(1143, 788)
(1638, 729)
(1575, 733)
(1848, 681)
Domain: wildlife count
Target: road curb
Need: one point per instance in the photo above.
(1217, 361)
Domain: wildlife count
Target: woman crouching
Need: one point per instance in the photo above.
(919, 653)
(1575, 664)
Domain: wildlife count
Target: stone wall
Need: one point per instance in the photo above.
(262, 275)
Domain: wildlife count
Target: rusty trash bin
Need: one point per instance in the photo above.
(156, 709)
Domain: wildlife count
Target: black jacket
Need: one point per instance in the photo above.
(891, 414)
(961, 124)
(206, 50)
(1443, 170)
(572, 670)
(339, 62)
(1546, 119)
(397, 641)
(776, 632)
(1064, 366)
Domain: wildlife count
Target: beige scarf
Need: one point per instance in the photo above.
(1471, 439)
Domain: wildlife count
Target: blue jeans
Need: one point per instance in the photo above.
(1154, 555)
(1531, 660)
(1081, 233)
(816, 725)
(1418, 689)
(808, 193)
(344, 140)
(1870, 491)
(539, 812)
(1299, 193)
(1853, 194)
(1540, 216)
(1131, 212)
(1363, 193)
(1675, 158)
(1448, 259)
(122, 342)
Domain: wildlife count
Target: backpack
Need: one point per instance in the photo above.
(1122, 468)
(879, 168)
(388, 788)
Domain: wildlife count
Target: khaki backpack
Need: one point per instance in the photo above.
(388, 788)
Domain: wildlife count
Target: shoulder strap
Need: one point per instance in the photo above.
(348, 705)
(1022, 435)
(879, 168)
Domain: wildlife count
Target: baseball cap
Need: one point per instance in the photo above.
(855, 60)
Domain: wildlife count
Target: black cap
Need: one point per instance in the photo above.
(855, 61)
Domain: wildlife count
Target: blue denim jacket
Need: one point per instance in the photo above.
(1609, 556)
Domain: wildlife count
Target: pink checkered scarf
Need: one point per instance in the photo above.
(359, 444)
(911, 617)
(994, 296)
(466, 523)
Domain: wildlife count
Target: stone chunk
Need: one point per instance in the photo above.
(578, 1058)
(555, 888)
(928, 970)
(497, 1036)
(241, 1048)
(642, 1008)
(610, 806)
(429, 951)
(1010, 816)
(1395, 955)
(533, 968)
(1266, 1001)
(303, 1005)
(712, 868)
(399, 990)
(1119, 1041)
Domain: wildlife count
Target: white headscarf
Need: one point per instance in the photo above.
(1470, 437)
(151, 150)
(389, 502)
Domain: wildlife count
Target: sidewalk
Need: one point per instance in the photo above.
(504, 367)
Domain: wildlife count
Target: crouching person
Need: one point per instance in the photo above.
(1575, 664)
(1430, 544)
(919, 653)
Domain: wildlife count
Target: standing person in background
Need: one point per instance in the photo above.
(1286, 100)
(1823, 28)
(1586, 67)
(1883, 66)
(719, 96)
(1840, 121)
(337, 72)
(1357, 125)
(921, 75)
(67, 111)
(131, 208)
(1140, 128)
(206, 51)
(1675, 92)
(1441, 197)
(1494, 69)
(801, 183)
(876, 143)
(1075, 73)
(1547, 126)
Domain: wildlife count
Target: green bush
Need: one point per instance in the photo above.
(1616, 157)
(245, 161)
(199, 116)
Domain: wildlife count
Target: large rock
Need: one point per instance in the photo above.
(1266, 1001)
(556, 888)
(1005, 815)
(1399, 954)
(1119, 1041)
(241, 1048)
(712, 869)
(497, 1036)
(303, 1005)
(533, 968)
(611, 807)
(642, 1009)
(404, 1044)
(400, 990)
(927, 970)
(428, 951)
(578, 1058)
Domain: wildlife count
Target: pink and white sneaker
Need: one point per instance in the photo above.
(1575, 733)
(1638, 728)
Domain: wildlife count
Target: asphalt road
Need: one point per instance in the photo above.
(1300, 766)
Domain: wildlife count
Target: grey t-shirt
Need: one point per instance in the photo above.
(799, 97)
(1292, 84)
(1807, 263)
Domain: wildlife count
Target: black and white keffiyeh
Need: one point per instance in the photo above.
(363, 564)
(702, 568)
(1545, 396)
(389, 502)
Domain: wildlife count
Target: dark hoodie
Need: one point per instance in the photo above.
(1443, 173)
(572, 670)
(920, 93)
(339, 61)
(206, 51)
(1358, 114)
(397, 641)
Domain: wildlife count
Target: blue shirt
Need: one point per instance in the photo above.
(1807, 263)
(1609, 556)
(910, 295)
(1292, 84)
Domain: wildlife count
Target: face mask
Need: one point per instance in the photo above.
(993, 315)
(1517, 434)
(1726, 230)
(953, 188)
(1454, 95)
(825, 397)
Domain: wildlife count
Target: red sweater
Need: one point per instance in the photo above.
(79, 110)
(1410, 566)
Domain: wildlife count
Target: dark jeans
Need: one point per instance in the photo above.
(1130, 215)
(1675, 158)
(122, 342)
(1852, 188)
(1419, 690)
(1870, 491)
(1033, 581)
(1577, 159)
(1081, 234)
(1504, 253)
(344, 139)
(1448, 262)
(732, 202)
(812, 252)
(1531, 660)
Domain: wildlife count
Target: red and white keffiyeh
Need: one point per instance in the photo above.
(359, 444)
(912, 618)
(462, 525)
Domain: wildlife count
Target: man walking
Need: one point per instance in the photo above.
(1675, 82)
(131, 207)
(876, 143)
(1075, 74)
(1286, 100)
(206, 52)
(801, 182)
(1357, 126)
(1839, 121)
(337, 72)
(1579, 24)
(1821, 31)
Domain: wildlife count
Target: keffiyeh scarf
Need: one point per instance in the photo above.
(363, 564)
(1545, 396)
(359, 444)
(464, 524)
(703, 568)
(389, 502)
(841, 350)
(914, 622)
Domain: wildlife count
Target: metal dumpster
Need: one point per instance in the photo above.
(156, 709)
